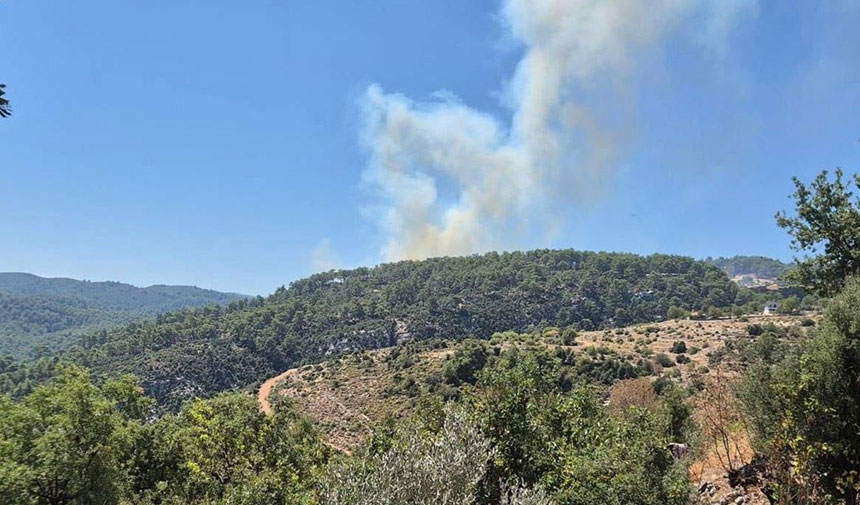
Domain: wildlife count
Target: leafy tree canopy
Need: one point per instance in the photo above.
(826, 228)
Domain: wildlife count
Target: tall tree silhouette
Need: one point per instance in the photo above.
(5, 108)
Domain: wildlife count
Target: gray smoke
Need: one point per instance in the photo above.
(454, 180)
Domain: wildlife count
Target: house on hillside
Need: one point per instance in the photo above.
(770, 308)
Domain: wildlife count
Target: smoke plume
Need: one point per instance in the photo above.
(454, 180)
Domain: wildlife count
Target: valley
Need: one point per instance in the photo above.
(40, 316)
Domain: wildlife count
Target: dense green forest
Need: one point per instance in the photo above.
(760, 266)
(40, 315)
(202, 351)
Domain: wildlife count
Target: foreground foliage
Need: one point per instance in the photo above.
(803, 406)
(439, 468)
(73, 442)
(518, 438)
(569, 444)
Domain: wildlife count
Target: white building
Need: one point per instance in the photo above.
(770, 308)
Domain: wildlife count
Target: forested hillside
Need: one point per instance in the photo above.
(40, 315)
(202, 351)
(760, 266)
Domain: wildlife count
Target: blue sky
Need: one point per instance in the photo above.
(227, 144)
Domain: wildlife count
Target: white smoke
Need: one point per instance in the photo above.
(454, 180)
(323, 257)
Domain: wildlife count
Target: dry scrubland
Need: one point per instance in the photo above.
(347, 396)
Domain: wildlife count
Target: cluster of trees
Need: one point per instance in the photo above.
(802, 404)
(517, 438)
(114, 295)
(35, 326)
(467, 359)
(39, 316)
(199, 352)
(75, 442)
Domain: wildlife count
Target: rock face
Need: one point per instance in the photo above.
(401, 332)
(678, 450)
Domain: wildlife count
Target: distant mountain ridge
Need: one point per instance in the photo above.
(114, 295)
(38, 311)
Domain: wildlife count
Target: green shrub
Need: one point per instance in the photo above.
(569, 335)
(664, 360)
(675, 312)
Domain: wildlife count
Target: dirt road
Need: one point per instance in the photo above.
(266, 389)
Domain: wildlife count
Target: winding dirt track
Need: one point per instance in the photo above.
(266, 389)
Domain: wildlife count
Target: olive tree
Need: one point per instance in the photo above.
(419, 468)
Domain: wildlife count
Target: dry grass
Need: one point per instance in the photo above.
(707, 336)
(349, 395)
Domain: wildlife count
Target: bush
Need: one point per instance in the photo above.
(632, 393)
(664, 360)
(789, 305)
(568, 336)
(679, 347)
(469, 357)
(440, 469)
(662, 384)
